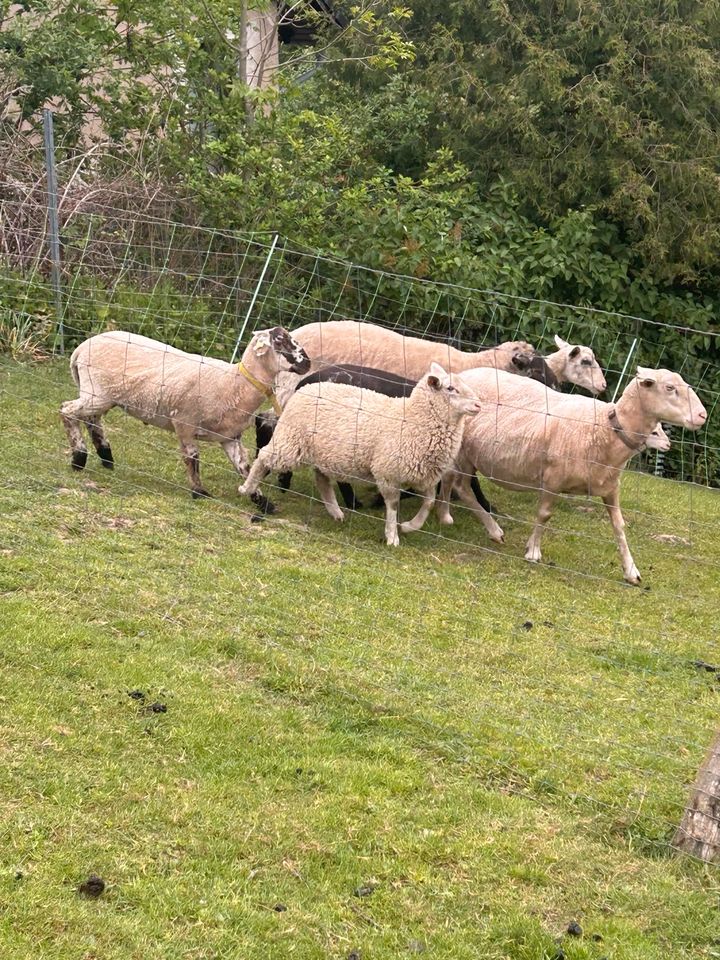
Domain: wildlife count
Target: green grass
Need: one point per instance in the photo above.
(339, 715)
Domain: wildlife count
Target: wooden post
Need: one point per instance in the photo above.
(699, 830)
(54, 229)
(262, 57)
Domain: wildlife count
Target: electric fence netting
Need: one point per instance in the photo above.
(485, 702)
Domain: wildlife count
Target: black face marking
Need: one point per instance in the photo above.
(284, 344)
(521, 361)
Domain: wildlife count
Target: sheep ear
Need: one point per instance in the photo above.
(646, 376)
(574, 352)
(261, 342)
(433, 382)
(560, 343)
(436, 370)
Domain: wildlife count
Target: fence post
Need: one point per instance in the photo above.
(53, 222)
(699, 830)
(254, 296)
(625, 366)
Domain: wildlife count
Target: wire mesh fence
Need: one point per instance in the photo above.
(204, 290)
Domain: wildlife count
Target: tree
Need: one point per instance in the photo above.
(609, 104)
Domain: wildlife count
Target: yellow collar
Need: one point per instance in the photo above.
(262, 387)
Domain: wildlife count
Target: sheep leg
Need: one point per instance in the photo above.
(99, 441)
(72, 413)
(285, 479)
(443, 502)
(237, 455)
(421, 516)
(545, 507)
(78, 447)
(348, 495)
(612, 504)
(467, 496)
(480, 496)
(191, 459)
(391, 496)
(328, 496)
(259, 470)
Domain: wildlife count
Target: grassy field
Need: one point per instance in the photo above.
(437, 750)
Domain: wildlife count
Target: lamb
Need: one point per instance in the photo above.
(529, 438)
(366, 344)
(389, 384)
(346, 432)
(200, 398)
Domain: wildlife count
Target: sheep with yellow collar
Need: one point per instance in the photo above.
(199, 398)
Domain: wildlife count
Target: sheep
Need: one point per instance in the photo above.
(569, 364)
(367, 378)
(389, 384)
(529, 438)
(366, 344)
(200, 398)
(395, 442)
(657, 440)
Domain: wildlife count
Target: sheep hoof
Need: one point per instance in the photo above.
(633, 577)
(262, 503)
(446, 519)
(106, 457)
(201, 495)
(393, 541)
(79, 459)
(408, 527)
(533, 557)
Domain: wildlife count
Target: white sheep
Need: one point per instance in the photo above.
(369, 345)
(349, 433)
(572, 363)
(200, 398)
(529, 438)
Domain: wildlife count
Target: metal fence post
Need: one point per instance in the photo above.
(254, 296)
(53, 223)
(625, 366)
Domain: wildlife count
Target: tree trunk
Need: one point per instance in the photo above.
(699, 830)
(243, 58)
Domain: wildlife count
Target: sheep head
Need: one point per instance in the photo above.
(579, 366)
(453, 390)
(287, 352)
(665, 395)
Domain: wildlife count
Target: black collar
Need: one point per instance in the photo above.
(615, 424)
